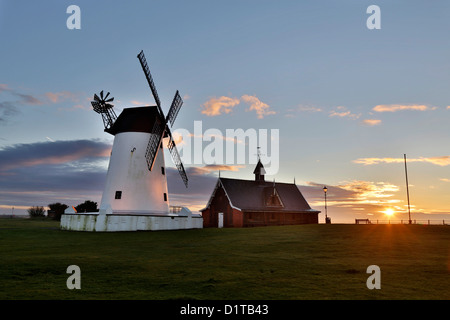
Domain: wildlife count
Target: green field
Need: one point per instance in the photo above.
(273, 263)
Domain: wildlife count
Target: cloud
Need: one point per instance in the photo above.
(139, 103)
(74, 171)
(79, 101)
(52, 97)
(348, 200)
(221, 105)
(202, 181)
(342, 112)
(261, 108)
(12, 107)
(50, 153)
(7, 109)
(358, 192)
(440, 161)
(308, 109)
(24, 98)
(56, 97)
(400, 107)
(44, 172)
(445, 180)
(448, 107)
(201, 185)
(368, 189)
(215, 168)
(371, 122)
(28, 99)
(4, 87)
(218, 106)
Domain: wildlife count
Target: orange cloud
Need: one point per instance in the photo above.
(371, 122)
(368, 189)
(399, 107)
(217, 106)
(359, 194)
(4, 87)
(222, 167)
(205, 170)
(342, 112)
(261, 108)
(440, 161)
(309, 109)
(56, 97)
(139, 103)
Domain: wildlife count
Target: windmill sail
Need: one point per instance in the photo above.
(176, 159)
(160, 126)
(153, 144)
(149, 78)
(174, 108)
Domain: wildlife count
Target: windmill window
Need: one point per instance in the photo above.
(118, 195)
(163, 171)
(165, 196)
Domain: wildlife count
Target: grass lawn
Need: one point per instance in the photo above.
(274, 263)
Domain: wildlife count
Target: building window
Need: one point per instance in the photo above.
(163, 171)
(165, 196)
(118, 195)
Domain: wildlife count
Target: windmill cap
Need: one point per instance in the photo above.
(136, 119)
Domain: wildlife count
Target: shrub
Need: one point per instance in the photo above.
(36, 212)
(56, 210)
(87, 206)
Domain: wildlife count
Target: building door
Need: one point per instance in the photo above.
(220, 220)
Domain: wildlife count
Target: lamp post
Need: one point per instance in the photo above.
(325, 189)
(407, 190)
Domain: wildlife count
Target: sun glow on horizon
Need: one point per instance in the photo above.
(389, 212)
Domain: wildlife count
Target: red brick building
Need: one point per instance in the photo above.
(252, 203)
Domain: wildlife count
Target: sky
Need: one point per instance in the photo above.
(347, 101)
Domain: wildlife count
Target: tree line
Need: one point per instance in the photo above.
(57, 209)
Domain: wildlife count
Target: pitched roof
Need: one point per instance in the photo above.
(259, 169)
(249, 195)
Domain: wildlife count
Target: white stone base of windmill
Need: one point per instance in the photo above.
(104, 221)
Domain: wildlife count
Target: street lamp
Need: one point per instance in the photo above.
(327, 220)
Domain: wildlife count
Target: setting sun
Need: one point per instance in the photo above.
(389, 212)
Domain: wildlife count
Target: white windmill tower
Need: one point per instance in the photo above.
(135, 195)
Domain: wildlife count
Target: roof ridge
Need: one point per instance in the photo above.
(263, 182)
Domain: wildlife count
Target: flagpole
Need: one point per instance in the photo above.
(407, 190)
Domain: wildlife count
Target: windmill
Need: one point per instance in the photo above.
(136, 182)
(101, 106)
